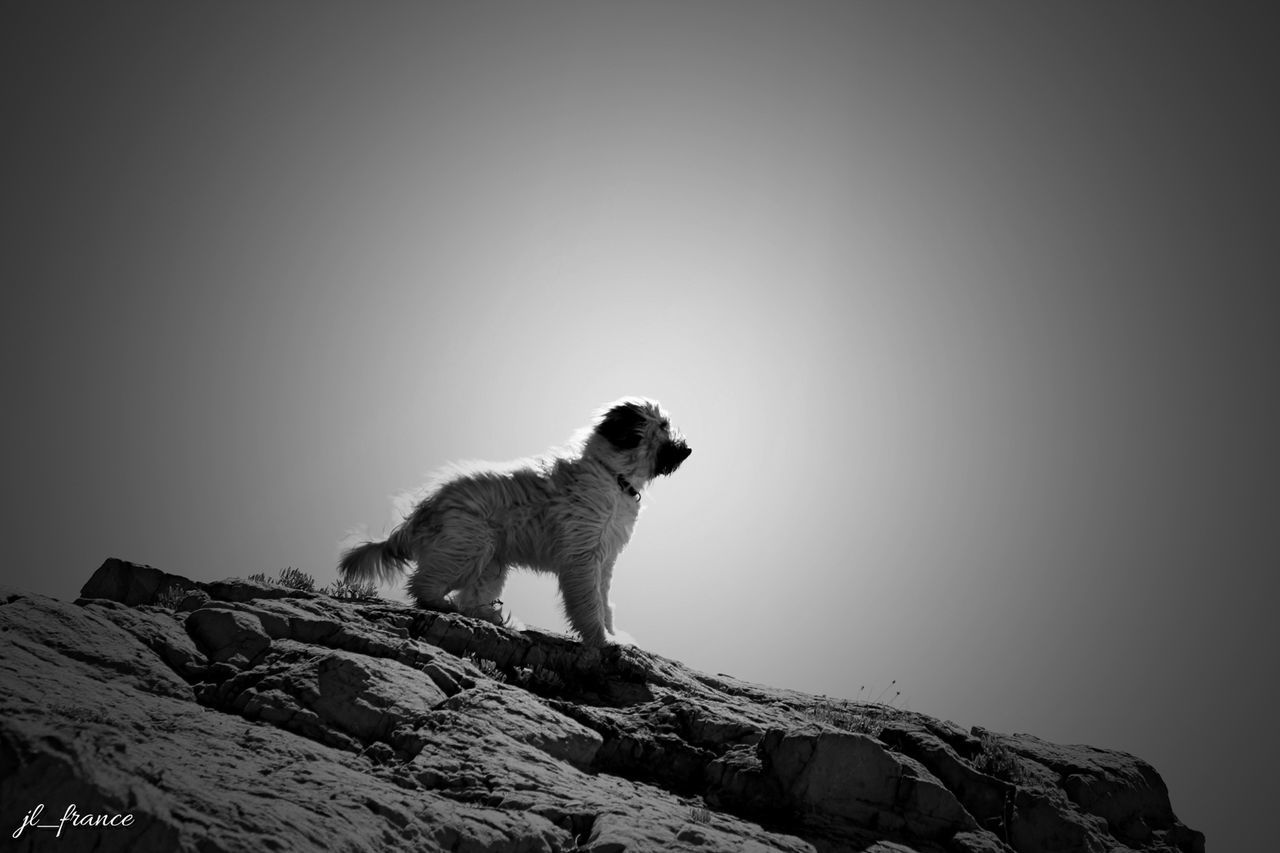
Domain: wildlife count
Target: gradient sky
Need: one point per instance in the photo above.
(967, 311)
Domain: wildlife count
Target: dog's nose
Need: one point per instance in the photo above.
(670, 456)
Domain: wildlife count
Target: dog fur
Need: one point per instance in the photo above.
(568, 513)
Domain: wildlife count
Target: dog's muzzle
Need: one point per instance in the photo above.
(670, 455)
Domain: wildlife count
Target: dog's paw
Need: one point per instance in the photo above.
(438, 605)
(490, 611)
(620, 638)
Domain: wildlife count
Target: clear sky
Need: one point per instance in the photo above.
(967, 310)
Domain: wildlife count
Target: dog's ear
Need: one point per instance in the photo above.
(621, 426)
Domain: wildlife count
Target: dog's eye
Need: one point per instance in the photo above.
(666, 425)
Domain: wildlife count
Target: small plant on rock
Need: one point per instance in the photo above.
(291, 578)
(488, 667)
(297, 579)
(851, 719)
(170, 597)
(864, 695)
(866, 715)
(996, 759)
(343, 591)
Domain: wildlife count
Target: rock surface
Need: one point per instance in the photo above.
(247, 716)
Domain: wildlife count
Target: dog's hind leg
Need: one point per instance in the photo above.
(429, 585)
(481, 599)
(455, 558)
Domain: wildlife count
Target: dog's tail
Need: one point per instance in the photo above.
(376, 562)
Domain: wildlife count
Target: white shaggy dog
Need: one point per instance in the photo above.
(568, 513)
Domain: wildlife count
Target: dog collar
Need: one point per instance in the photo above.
(628, 488)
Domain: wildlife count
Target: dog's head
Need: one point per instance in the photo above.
(636, 438)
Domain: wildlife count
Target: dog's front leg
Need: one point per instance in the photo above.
(580, 590)
(606, 579)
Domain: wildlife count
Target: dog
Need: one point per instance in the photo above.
(568, 513)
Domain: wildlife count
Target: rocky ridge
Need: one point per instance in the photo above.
(250, 716)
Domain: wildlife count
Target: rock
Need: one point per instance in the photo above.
(987, 799)
(525, 719)
(131, 583)
(855, 778)
(81, 649)
(344, 700)
(159, 630)
(1044, 820)
(242, 716)
(228, 636)
(1101, 796)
